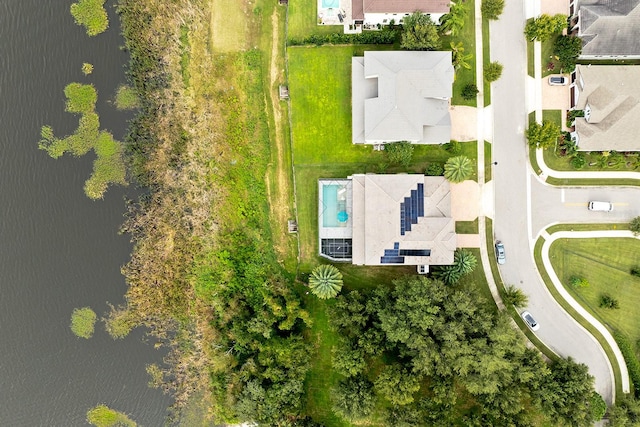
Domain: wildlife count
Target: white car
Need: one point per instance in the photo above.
(557, 81)
(530, 321)
(500, 256)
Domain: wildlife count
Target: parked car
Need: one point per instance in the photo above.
(500, 256)
(529, 320)
(600, 206)
(557, 80)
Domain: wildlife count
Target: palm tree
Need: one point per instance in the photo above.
(465, 261)
(325, 281)
(458, 168)
(514, 296)
(452, 22)
(458, 58)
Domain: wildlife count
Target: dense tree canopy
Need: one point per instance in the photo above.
(419, 32)
(492, 9)
(545, 26)
(567, 49)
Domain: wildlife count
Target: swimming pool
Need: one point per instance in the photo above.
(334, 201)
(328, 4)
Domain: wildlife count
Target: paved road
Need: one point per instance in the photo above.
(569, 204)
(513, 204)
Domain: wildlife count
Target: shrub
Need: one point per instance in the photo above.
(635, 271)
(543, 135)
(435, 169)
(353, 398)
(399, 153)
(469, 91)
(83, 322)
(453, 147)
(366, 37)
(492, 9)
(578, 282)
(92, 15)
(419, 32)
(607, 301)
(630, 358)
(634, 225)
(598, 406)
(578, 161)
(567, 49)
(544, 26)
(492, 71)
(514, 296)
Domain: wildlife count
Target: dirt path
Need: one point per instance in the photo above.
(279, 185)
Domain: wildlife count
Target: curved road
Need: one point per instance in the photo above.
(524, 205)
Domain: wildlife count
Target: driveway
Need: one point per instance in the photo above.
(514, 206)
(556, 98)
(463, 123)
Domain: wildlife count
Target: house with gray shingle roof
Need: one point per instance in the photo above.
(609, 95)
(402, 219)
(608, 28)
(401, 96)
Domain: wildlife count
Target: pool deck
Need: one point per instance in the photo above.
(343, 229)
(329, 16)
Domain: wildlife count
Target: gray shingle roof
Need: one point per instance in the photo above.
(401, 96)
(612, 92)
(609, 27)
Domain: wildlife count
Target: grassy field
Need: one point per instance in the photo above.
(605, 263)
(303, 20)
(573, 313)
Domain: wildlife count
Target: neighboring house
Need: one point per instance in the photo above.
(370, 13)
(608, 28)
(401, 96)
(610, 98)
(371, 219)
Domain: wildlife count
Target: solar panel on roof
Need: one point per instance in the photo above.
(391, 260)
(420, 200)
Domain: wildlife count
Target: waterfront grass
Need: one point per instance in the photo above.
(92, 15)
(83, 322)
(103, 416)
(126, 98)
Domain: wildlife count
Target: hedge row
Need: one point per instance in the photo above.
(366, 37)
(630, 358)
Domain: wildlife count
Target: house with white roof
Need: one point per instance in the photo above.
(401, 96)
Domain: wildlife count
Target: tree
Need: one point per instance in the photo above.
(492, 71)
(464, 262)
(545, 26)
(607, 301)
(325, 281)
(397, 385)
(469, 91)
(347, 361)
(452, 22)
(567, 49)
(626, 412)
(543, 135)
(353, 398)
(634, 226)
(458, 169)
(419, 33)
(435, 169)
(92, 15)
(567, 393)
(492, 9)
(514, 296)
(458, 58)
(399, 152)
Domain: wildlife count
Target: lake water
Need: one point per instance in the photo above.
(58, 249)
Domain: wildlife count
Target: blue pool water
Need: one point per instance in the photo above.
(327, 4)
(330, 200)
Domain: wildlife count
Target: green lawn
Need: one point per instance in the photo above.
(549, 64)
(486, 59)
(303, 20)
(468, 38)
(605, 263)
(554, 116)
(537, 253)
(488, 164)
(467, 227)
